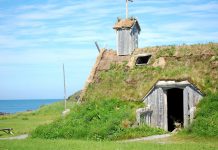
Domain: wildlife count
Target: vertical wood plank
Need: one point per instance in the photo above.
(165, 111)
(185, 106)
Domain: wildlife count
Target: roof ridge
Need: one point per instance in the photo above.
(125, 23)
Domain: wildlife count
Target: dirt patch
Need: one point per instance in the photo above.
(19, 137)
(160, 62)
(149, 138)
(110, 57)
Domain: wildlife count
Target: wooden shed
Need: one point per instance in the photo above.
(169, 102)
(127, 32)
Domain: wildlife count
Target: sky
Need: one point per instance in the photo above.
(38, 36)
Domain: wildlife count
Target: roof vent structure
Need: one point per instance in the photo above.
(143, 59)
(127, 31)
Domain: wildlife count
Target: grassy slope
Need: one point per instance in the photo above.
(27, 121)
(97, 120)
(196, 62)
(112, 119)
(75, 96)
(206, 119)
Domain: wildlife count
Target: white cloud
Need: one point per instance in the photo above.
(31, 24)
(178, 26)
(7, 41)
(179, 8)
(43, 56)
(83, 22)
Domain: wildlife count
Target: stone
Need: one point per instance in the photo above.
(65, 112)
(160, 62)
(192, 113)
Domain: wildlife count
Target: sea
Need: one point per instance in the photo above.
(14, 106)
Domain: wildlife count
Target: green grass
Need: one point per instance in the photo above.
(98, 120)
(170, 144)
(26, 122)
(194, 62)
(206, 119)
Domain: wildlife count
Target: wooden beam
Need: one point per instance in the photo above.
(96, 44)
(65, 93)
(127, 11)
(7, 130)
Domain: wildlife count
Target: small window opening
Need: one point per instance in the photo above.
(143, 60)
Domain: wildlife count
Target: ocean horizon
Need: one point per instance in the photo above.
(21, 105)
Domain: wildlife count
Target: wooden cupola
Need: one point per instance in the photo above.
(127, 31)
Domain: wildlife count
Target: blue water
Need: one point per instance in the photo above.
(13, 106)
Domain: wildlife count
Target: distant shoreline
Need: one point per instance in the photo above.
(17, 106)
(30, 99)
(4, 113)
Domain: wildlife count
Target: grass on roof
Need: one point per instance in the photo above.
(198, 63)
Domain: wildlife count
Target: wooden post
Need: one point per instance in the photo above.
(65, 97)
(185, 107)
(96, 44)
(127, 7)
(165, 111)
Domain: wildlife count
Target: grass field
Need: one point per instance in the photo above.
(26, 122)
(198, 63)
(174, 143)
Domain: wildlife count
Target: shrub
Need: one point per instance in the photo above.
(25, 118)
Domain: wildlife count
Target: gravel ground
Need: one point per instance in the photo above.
(20, 137)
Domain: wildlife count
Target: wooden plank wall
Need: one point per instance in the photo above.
(127, 41)
(156, 101)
